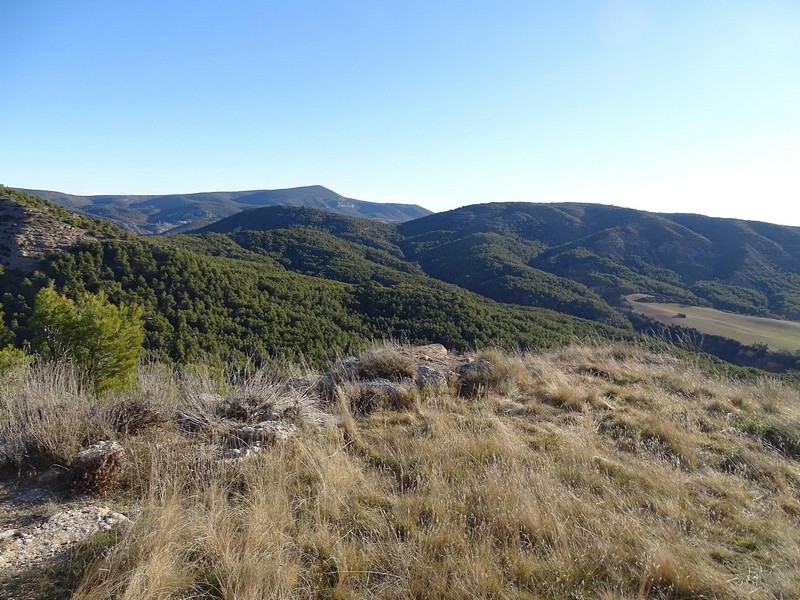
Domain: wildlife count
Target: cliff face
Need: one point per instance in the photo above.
(28, 234)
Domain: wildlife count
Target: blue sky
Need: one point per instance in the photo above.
(679, 106)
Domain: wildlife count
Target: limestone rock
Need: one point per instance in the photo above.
(253, 439)
(96, 469)
(431, 352)
(428, 377)
(266, 433)
(63, 531)
(474, 368)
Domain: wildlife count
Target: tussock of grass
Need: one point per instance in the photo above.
(364, 398)
(385, 362)
(494, 372)
(46, 416)
(582, 473)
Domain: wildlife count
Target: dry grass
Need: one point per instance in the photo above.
(46, 416)
(583, 473)
(385, 361)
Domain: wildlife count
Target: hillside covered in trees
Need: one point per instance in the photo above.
(297, 281)
(206, 295)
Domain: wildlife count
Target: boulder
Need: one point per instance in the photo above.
(428, 377)
(98, 468)
(473, 368)
(431, 352)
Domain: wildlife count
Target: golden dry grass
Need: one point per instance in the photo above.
(582, 473)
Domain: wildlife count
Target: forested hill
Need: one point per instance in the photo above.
(300, 281)
(575, 258)
(593, 242)
(208, 295)
(153, 214)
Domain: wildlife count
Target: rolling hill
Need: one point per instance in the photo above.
(206, 294)
(577, 259)
(157, 214)
(296, 280)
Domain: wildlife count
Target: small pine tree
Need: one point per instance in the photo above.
(104, 340)
(6, 335)
(10, 357)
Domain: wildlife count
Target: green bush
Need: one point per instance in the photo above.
(102, 339)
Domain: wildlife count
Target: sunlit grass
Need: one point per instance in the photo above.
(582, 473)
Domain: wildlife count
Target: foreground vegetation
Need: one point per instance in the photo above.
(587, 472)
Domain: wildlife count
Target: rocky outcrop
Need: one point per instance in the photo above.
(253, 439)
(428, 377)
(27, 235)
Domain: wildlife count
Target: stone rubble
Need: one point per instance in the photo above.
(253, 439)
(60, 533)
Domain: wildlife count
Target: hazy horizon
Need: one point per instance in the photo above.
(686, 107)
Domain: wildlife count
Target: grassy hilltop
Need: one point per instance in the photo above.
(586, 472)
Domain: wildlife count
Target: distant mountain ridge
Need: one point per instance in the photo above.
(173, 213)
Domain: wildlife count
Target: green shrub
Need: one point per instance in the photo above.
(11, 358)
(102, 339)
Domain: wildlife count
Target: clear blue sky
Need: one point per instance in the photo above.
(672, 106)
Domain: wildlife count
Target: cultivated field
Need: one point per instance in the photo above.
(777, 334)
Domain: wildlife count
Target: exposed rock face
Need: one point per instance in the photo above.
(431, 352)
(27, 235)
(98, 468)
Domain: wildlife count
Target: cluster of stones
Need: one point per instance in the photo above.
(20, 549)
(255, 438)
(252, 439)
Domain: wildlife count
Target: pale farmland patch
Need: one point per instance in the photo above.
(776, 333)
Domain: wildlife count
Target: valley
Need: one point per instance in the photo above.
(747, 329)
